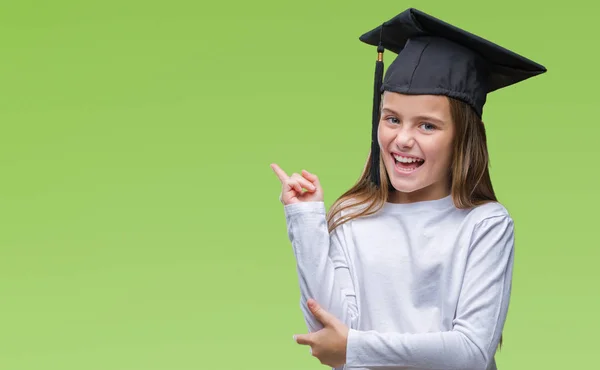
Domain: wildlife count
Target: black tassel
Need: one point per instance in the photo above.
(376, 114)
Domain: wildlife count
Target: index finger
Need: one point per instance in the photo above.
(279, 172)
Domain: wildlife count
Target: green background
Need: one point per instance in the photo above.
(140, 221)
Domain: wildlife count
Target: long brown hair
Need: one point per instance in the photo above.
(470, 180)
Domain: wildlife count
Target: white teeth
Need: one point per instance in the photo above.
(407, 159)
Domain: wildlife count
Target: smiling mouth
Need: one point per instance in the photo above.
(407, 164)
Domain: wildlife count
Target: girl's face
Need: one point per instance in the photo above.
(415, 137)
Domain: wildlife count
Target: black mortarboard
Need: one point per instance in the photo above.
(437, 58)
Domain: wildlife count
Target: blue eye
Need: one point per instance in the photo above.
(430, 127)
(394, 118)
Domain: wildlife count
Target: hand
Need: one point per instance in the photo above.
(291, 187)
(328, 344)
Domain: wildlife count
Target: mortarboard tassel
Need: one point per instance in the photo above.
(376, 113)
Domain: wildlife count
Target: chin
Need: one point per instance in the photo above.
(407, 187)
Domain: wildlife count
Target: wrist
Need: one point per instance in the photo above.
(305, 207)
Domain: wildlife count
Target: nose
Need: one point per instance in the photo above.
(405, 138)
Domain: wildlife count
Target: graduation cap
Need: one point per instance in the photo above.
(437, 58)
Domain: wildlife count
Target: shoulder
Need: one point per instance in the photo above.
(490, 220)
(487, 211)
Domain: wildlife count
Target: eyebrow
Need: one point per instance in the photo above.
(420, 117)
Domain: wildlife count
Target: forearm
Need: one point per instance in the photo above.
(452, 350)
(322, 271)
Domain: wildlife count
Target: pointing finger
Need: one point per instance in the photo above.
(279, 172)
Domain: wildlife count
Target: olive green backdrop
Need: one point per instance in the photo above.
(140, 226)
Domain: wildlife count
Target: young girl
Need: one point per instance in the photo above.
(411, 268)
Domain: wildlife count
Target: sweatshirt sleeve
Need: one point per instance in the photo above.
(480, 316)
(322, 267)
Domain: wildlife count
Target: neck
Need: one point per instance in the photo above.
(420, 195)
